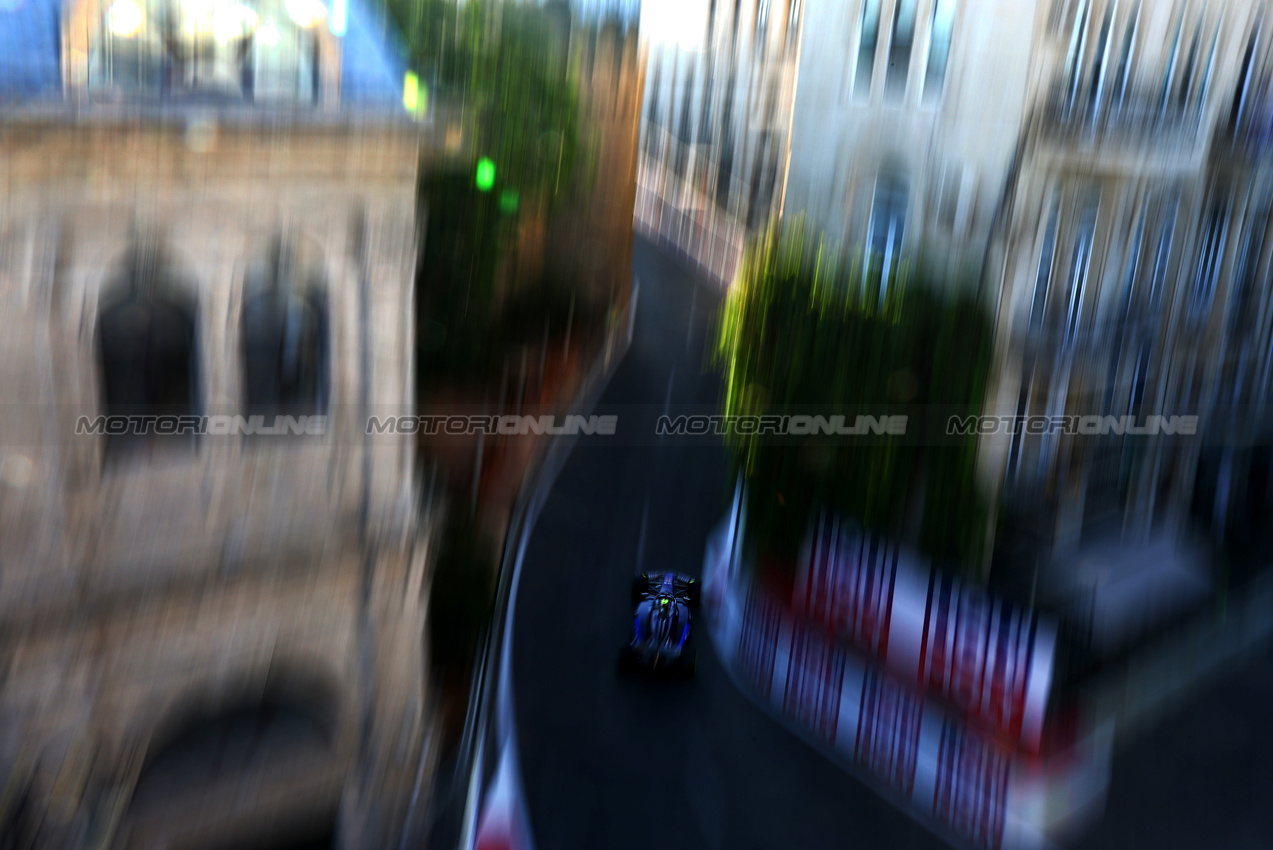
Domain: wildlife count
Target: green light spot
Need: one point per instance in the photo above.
(411, 92)
(508, 201)
(485, 174)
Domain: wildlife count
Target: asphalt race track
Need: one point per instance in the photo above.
(616, 763)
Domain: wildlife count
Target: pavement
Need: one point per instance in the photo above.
(609, 762)
(1202, 777)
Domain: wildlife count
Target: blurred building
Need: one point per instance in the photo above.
(591, 242)
(1104, 165)
(716, 121)
(206, 640)
(906, 121)
(1135, 283)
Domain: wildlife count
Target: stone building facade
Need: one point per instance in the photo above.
(592, 240)
(720, 88)
(212, 640)
(1104, 165)
(1135, 266)
(905, 127)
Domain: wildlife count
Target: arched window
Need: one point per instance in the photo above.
(284, 333)
(217, 749)
(237, 49)
(887, 227)
(147, 349)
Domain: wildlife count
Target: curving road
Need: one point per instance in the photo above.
(614, 763)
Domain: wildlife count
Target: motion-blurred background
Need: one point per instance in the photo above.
(237, 233)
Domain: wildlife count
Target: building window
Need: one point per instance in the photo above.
(284, 335)
(242, 50)
(899, 53)
(887, 227)
(655, 87)
(869, 34)
(148, 353)
(1043, 278)
(1123, 74)
(1124, 310)
(1101, 60)
(1133, 268)
(1140, 379)
(1079, 266)
(1209, 261)
(1205, 86)
(1074, 57)
(1162, 255)
(725, 170)
(948, 202)
(939, 47)
(764, 169)
(1241, 315)
(1241, 93)
(686, 131)
(705, 112)
(1173, 58)
(1023, 408)
(1191, 62)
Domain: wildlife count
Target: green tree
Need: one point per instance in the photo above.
(804, 331)
(504, 70)
(507, 67)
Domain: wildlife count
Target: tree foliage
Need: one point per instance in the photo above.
(502, 70)
(805, 331)
(507, 67)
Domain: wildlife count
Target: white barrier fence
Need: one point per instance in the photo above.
(984, 657)
(916, 752)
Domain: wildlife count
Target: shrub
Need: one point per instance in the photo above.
(806, 331)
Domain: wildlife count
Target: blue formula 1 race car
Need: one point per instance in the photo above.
(661, 642)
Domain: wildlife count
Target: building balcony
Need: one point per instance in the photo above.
(1108, 121)
(1050, 339)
